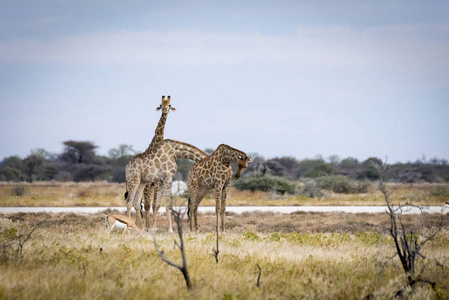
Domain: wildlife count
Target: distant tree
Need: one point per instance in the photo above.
(266, 183)
(31, 165)
(78, 152)
(80, 161)
(367, 169)
(11, 169)
(257, 168)
(348, 166)
(276, 168)
(118, 158)
(315, 168)
(11, 174)
(285, 166)
(334, 160)
(122, 151)
(14, 162)
(438, 161)
(43, 153)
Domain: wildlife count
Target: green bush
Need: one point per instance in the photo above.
(342, 184)
(266, 183)
(311, 189)
(18, 190)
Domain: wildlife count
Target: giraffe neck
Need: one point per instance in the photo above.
(184, 150)
(228, 154)
(159, 132)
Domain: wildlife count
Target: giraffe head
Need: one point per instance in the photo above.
(165, 105)
(242, 164)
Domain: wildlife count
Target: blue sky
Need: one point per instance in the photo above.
(280, 78)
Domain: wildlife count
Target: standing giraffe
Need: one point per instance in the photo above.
(156, 166)
(151, 190)
(214, 172)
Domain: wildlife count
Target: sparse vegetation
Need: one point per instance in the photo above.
(342, 184)
(104, 194)
(18, 190)
(408, 243)
(321, 255)
(266, 184)
(80, 162)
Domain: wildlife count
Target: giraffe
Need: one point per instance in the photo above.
(151, 190)
(156, 166)
(214, 172)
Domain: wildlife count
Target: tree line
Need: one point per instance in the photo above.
(80, 162)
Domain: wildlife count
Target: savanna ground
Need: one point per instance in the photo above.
(104, 194)
(303, 255)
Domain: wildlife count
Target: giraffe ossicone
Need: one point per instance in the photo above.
(151, 190)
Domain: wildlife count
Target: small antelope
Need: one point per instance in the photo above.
(121, 222)
(444, 205)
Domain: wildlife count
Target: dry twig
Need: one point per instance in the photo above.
(178, 216)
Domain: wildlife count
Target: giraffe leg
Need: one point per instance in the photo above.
(201, 194)
(223, 205)
(193, 192)
(132, 183)
(218, 192)
(157, 188)
(136, 204)
(156, 206)
(129, 201)
(148, 193)
(165, 192)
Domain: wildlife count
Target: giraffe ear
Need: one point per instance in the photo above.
(239, 157)
(251, 159)
(173, 109)
(159, 108)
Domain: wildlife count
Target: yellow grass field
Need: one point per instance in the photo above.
(302, 256)
(104, 194)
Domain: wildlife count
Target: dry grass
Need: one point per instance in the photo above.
(63, 194)
(302, 255)
(105, 194)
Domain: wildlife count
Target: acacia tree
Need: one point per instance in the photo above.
(32, 163)
(80, 161)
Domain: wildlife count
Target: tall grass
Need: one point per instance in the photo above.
(71, 257)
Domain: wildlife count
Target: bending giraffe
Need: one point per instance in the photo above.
(214, 172)
(156, 166)
(151, 191)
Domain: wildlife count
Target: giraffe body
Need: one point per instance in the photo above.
(157, 166)
(214, 172)
(151, 190)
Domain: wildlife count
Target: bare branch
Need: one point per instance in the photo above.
(216, 251)
(177, 215)
(258, 277)
(406, 242)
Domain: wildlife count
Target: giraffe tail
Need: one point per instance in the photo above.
(126, 193)
(188, 209)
